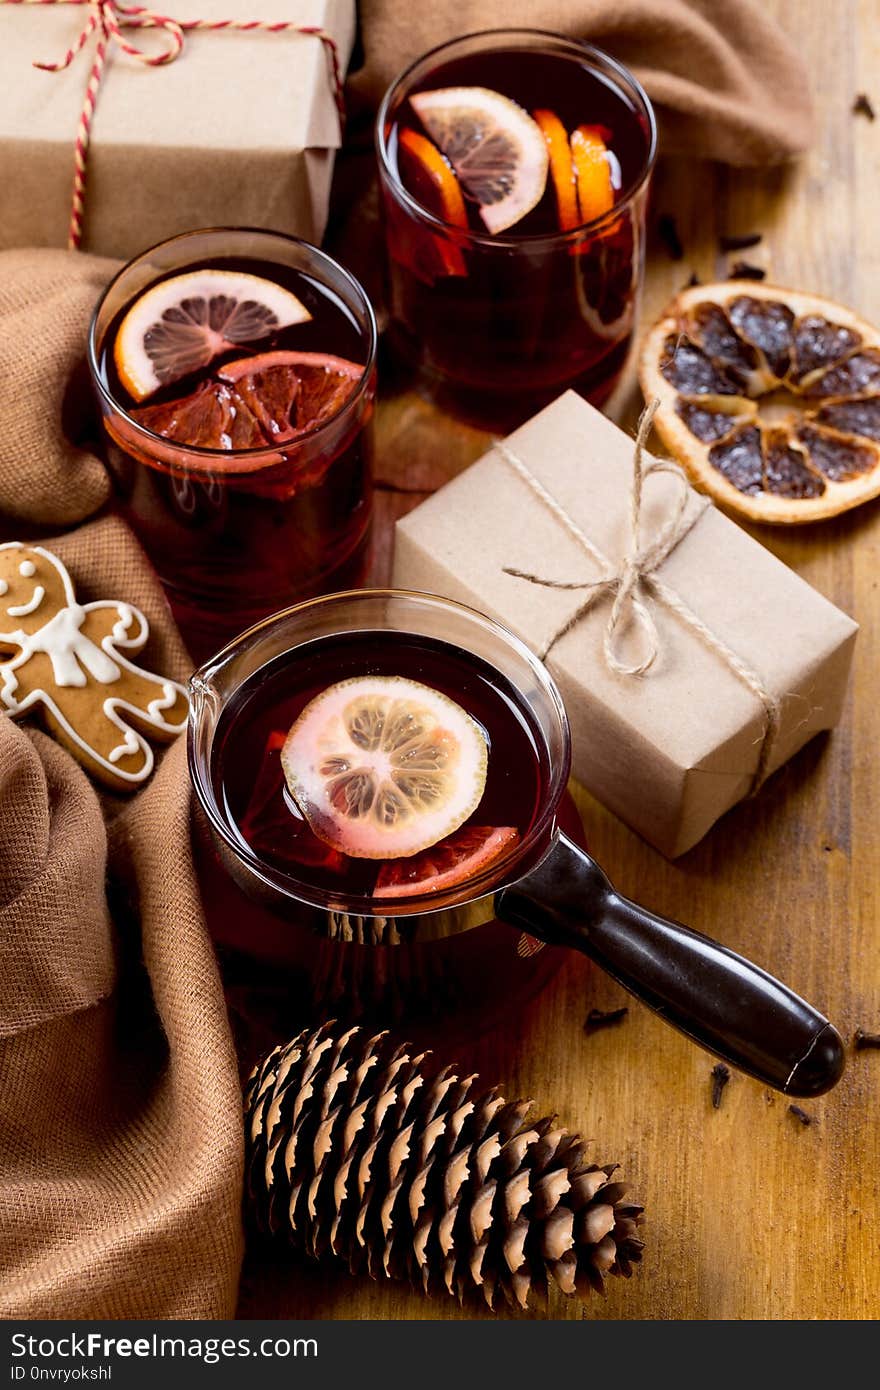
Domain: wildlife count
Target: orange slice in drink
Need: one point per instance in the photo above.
(561, 168)
(268, 399)
(455, 860)
(436, 168)
(497, 151)
(595, 190)
(182, 324)
(382, 766)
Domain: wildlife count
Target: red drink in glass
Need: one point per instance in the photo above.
(406, 940)
(249, 780)
(443, 739)
(241, 520)
(504, 320)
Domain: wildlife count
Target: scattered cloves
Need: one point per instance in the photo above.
(862, 106)
(604, 1018)
(739, 243)
(800, 1114)
(863, 1040)
(668, 232)
(720, 1078)
(744, 270)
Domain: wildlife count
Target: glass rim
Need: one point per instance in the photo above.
(233, 457)
(536, 239)
(476, 888)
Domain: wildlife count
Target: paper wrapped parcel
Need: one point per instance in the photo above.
(671, 750)
(240, 130)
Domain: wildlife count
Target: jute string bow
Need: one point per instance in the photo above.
(107, 19)
(636, 580)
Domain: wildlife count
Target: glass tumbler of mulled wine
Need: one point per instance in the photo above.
(235, 375)
(382, 776)
(514, 167)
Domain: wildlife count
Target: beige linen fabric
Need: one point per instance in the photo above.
(726, 81)
(120, 1129)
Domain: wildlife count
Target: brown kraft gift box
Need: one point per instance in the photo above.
(671, 749)
(240, 129)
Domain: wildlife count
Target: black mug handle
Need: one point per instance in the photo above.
(722, 1001)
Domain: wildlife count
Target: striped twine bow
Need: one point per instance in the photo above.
(107, 19)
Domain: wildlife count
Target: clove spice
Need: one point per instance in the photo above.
(863, 106)
(720, 1078)
(863, 1040)
(604, 1018)
(800, 1114)
(744, 270)
(668, 232)
(739, 243)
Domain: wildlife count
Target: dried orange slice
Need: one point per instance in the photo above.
(382, 767)
(593, 175)
(182, 324)
(496, 149)
(769, 397)
(561, 168)
(457, 859)
(255, 401)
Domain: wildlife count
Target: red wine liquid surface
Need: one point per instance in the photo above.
(249, 784)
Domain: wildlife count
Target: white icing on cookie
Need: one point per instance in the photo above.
(75, 657)
(69, 650)
(21, 610)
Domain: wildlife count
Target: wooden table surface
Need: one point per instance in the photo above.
(751, 1214)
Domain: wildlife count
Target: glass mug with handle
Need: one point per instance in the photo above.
(326, 699)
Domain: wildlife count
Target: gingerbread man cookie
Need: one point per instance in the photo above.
(69, 666)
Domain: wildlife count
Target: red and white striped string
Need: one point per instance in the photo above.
(107, 19)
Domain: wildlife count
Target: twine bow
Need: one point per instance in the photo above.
(107, 19)
(636, 579)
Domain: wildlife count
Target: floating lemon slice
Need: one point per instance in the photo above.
(498, 152)
(183, 323)
(382, 767)
(769, 397)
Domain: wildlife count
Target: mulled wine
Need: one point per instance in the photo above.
(253, 788)
(514, 168)
(369, 768)
(235, 373)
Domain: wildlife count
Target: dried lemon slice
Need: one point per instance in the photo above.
(182, 324)
(769, 397)
(496, 149)
(382, 767)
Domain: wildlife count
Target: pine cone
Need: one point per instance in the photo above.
(356, 1148)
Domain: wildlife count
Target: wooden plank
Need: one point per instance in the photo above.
(752, 1215)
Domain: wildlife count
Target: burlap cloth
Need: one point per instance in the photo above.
(120, 1130)
(725, 80)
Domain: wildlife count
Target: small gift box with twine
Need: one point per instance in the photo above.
(692, 662)
(122, 125)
